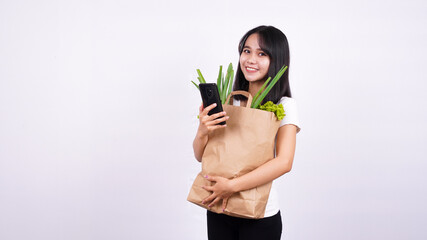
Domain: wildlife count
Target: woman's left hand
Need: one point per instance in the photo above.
(221, 190)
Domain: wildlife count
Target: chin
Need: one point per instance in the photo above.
(253, 79)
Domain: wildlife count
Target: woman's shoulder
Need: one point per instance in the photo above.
(287, 101)
(291, 112)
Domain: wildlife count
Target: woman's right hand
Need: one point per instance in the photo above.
(209, 123)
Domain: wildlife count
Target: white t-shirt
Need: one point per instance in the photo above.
(291, 117)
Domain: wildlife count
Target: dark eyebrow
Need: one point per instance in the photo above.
(251, 48)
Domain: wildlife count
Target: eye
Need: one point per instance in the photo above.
(262, 54)
(246, 50)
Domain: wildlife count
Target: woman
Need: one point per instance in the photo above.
(263, 51)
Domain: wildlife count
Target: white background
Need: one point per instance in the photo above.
(97, 115)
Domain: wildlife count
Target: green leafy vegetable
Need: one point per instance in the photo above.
(276, 109)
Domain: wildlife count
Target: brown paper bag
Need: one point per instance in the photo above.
(246, 143)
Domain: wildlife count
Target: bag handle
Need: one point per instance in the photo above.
(240, 92)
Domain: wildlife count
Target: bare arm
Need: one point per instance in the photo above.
(199, 144)
(207, 124)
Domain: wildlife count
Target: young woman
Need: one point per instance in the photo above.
(263, 51)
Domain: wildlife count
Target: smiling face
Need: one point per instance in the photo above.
(254, 62)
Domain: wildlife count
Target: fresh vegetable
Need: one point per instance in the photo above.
(263, 91)
(276, 109)
(200, 77)
(197, 86)
(224, 84)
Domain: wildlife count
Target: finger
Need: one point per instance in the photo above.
(217, 115)
(201, 108)
(214, 127)
(214, 202)
(208, 188)
(208, 108)
(224, 203)
(216, 121)
(209, 199)
(210, 178)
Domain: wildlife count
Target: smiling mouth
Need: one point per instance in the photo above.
(249, 69)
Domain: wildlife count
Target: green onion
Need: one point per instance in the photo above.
(201, 78)
(263, 93)
(222, 84)
(224, 87)
(197, 86)
(218, 81)
(260, 90)
(230, 87)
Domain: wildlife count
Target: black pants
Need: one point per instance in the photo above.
(224, 227)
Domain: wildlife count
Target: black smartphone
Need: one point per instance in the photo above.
(210, 95)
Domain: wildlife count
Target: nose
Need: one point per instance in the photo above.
(252, 58)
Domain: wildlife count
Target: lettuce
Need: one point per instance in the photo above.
(276, 109)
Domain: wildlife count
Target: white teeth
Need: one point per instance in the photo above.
(251, 69)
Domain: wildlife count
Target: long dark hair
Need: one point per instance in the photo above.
(275, 44)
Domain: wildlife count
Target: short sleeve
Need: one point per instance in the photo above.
(291, 112)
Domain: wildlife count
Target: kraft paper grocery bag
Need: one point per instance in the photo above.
(246, 143)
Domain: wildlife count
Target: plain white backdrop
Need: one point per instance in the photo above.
(97, 116)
